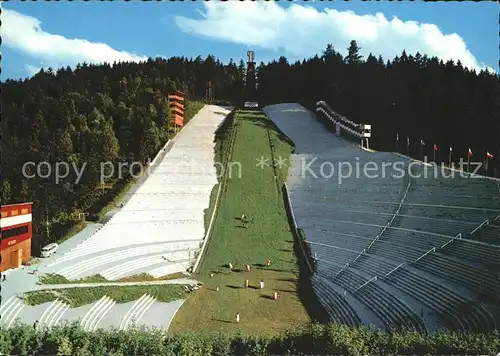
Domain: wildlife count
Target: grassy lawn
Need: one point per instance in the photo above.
(256, 194)
(143, 277)
(77, 297)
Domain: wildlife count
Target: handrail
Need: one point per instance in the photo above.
(346, 128)
(364, 250)
(459, 236)
(351, 127)
(343, 268)
(394, 269)
(364, 284)
(373, 241)
(393, 216)
(425, 254)
(341, 118)
(486, 222)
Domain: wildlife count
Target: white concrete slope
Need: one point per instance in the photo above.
(9, 311)
(166, 213)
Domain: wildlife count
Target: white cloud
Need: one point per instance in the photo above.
(301, 31)
(25, 33)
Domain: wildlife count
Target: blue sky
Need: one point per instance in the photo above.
(70, 32)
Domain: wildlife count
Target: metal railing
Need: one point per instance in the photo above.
(337, 116)
(343, 268)
(425, 254)
(364, 284)
(486, 222)
(394, 269)
(350, 126)
(459, 236)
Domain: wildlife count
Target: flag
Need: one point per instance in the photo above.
(470, 153)
(489, 155)
(436, 147)
(422, 143)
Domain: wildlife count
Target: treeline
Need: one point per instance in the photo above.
(332, 339)
(91, 115)
(119, 114)
(414, 96)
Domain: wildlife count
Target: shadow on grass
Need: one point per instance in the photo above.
(287, 280)
(233, 286)
(223, 321)
(267, 297)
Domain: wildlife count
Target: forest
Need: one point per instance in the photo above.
(415, 96)
(119, 113)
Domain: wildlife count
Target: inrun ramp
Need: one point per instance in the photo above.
(160, 228)
(392, 248)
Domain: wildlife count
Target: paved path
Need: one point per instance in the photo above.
(120, 284)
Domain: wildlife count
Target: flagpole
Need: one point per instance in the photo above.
(468, 162)
(408, 146)
(421, 150)
(397, 142)
(449, 164)
(434, 153)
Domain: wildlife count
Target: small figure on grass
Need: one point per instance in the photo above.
(230, 267)
(268, 262)
(217, 289)
(247, 268)
(237, 317)
(261, 284)
(247, 283)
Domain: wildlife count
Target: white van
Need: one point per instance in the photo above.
(49, 250)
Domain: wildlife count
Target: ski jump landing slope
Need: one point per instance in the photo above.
(161, 226)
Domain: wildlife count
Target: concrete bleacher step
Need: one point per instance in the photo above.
(136, 311)
(94, 315)
(100, 261)
(389, 309)
(127, 268)
(457, 312)
(371, 263)
(337, 307)
(177, 267)
(10, 310)
(53, 314)
(476, 252)
(462, 273)
(489, 234)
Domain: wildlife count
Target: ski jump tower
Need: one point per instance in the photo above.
(251, 83)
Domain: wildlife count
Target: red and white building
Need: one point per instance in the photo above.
(15, 246)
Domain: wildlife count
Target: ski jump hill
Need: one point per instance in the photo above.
(158, 231)
(392, 250)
